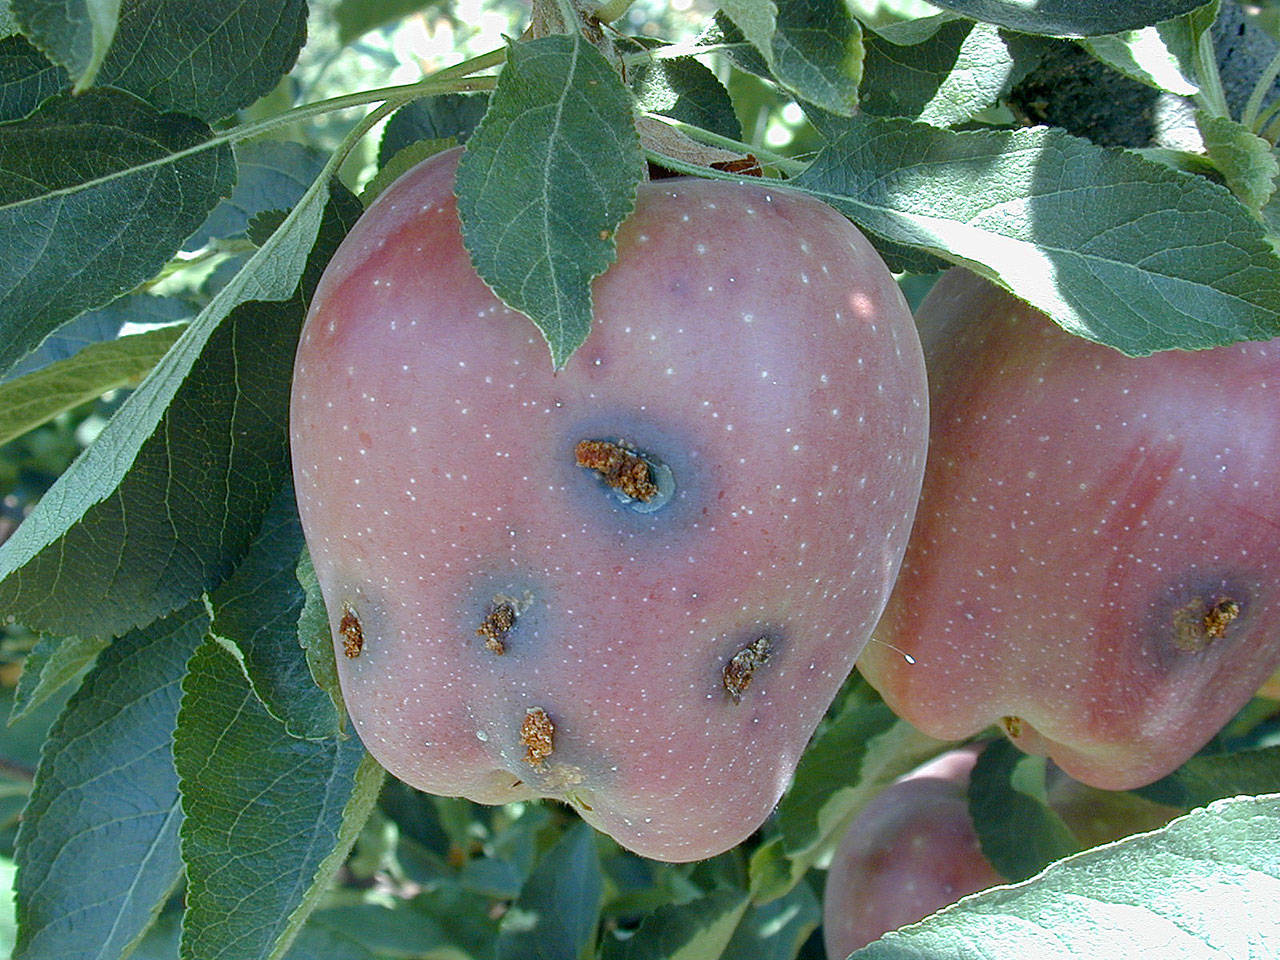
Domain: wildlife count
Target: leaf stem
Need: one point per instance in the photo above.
(1271, 132)
(402, 93)
(1266, 118)
(1212, 98)
(484, 61)
(391, 97)
(1260, 89)
(786, 164)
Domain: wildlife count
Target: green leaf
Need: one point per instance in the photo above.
(855, 754)
(205, 59)
(268, 816)
(546, 180)
(257, 610)
(98, 846)
(1019, 832)
(811, 48)
(75, 33)
(449, 117)
(90, 206)
(26, 78)
(27, 402)
(1203, 779)
(52, 662)
(357, 17)
(680, 88)
(556, 914)
(1205, 886)
(817, 53)
(314, 636)
(1242, 157)
(683, 931)
(1115, 248)
(1070, 18)
(169, 496)
(757, 20)
(959, 70)
(1163, 56)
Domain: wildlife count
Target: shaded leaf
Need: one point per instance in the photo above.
(90, 207)
(944, 80)
(858, 751)
(102, 325)
(257, 610)
(267, 817)
(1019, 832)
(556, 913)
(776, 930)
(314, 636)
(205, 435)
(690, 930)
(52, 662)
(1115, 248)
(206, 59)
(98, 846)
(1070, 18)
(29, 401)
(357, 17)
(447, 117)
(546, 180)
(401, 163)
(26, 77)
(441, 922)
(1204, 886)
(1203, 779)
(270, 175)
(74, 33)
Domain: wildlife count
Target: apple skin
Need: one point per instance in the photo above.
(748, 338)
(910, 852)
(1087, 523)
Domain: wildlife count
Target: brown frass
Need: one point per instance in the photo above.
(351, 631)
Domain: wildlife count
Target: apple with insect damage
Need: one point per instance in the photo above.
(1095, 564)
(911, 851)
(634, 584)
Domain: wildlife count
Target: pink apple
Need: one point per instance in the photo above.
(635, 584)
(909, 853)
(1095, 564)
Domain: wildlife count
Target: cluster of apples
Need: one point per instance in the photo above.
(636, 583)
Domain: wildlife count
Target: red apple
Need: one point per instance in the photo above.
(909, 853)
(635, 584)
(1095, 563)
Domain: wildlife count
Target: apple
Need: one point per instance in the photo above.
(634, 584)
(910, 852)
(1095, 564)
